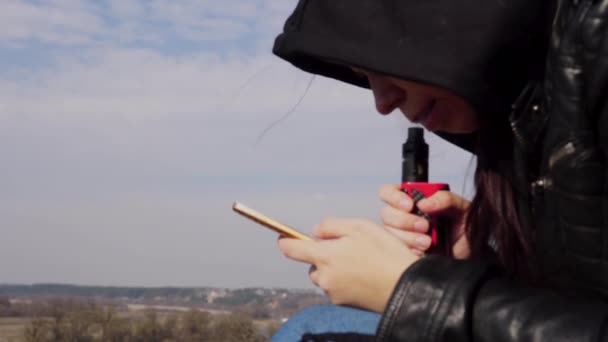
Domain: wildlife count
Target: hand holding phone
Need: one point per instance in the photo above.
(269, 223)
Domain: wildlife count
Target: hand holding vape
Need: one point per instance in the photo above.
(414, 182)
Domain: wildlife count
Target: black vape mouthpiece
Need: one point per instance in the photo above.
(415, 157)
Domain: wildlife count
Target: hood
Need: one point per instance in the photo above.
(482, 51)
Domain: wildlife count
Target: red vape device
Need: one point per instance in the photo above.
(414, 182)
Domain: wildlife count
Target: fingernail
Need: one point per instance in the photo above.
(420, 226)
(423, 241)
(405, 204)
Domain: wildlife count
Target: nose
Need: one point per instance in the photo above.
(386, 94)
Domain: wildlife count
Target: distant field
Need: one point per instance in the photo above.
(138, 311)
(11, 329)
(172, 308)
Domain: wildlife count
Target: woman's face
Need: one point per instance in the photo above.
(433, 107)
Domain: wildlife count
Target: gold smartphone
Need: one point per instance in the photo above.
(269, 223)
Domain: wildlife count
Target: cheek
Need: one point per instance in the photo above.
(414, 104)
(470, 117)
(473, 122)
(460, 118)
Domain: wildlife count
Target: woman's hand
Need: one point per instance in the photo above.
(412, 229)
(356, 262)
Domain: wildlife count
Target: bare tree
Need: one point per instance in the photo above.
(235, 328)
(151, 329)
(195, 326)
(36, 330)
(77, 326)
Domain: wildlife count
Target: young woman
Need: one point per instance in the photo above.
(524, 85)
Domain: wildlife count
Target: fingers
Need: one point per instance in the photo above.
(440, 202)
(392, 195)
(399, 219)
(417, 242)
(461, 248)
(407, 227)
(443, 202)
(332, 228)
(299, 250)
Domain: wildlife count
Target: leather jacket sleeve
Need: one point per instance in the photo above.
(440, 299)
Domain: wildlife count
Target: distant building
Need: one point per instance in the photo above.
(215, 294)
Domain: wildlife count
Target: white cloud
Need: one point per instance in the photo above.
(111, 145)
(140, 83)
(209, 99)
(46, 22)
(213, 30)
(81, 23)
(190, 12)
(127, 9)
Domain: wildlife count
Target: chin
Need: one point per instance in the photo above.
(451, 130)
(460, 131)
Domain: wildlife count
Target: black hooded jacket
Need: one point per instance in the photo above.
(488, 52)
(482, 51)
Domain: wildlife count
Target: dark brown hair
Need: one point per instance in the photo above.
(493, 224)
(493, 228)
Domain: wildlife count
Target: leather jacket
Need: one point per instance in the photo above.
(560, 127)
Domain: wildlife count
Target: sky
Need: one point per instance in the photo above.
(128, 128)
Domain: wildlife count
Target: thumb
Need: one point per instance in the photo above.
(336, 228)
(444, 202)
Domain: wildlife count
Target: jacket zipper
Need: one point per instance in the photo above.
(524, 101)
(544, 183)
